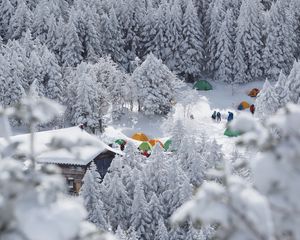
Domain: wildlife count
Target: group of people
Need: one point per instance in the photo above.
(216, 116)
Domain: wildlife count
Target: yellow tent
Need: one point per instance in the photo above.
(243, 105)
(140, 137)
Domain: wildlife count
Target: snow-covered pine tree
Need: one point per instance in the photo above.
(249, 42)
(120, 233)
(267, 102)
(11, 89)
(83, 99)
(40, 24)
(156, 86)
(192, 48)
(6, 12)
(280, 44)
(52, 75)
(178, 132)
(225, 50)
(281, 89)
(157, 41)
(161, 232)
(90, 191)
(111, 42)
(156, 213)
(91, 41)
(294, 83)
(216, 18)
(20, 21)
(140, 215)
(174, 18)
(71, 52)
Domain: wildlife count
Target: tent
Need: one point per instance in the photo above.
(140, 137)
(167, 144)
(203, 85)
(153, 142)
(120, 141)
(231, 133)
(253, 92)
(145, 146)
(243, 105)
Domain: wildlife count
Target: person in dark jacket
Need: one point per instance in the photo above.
(252, 108)
(214, 115)
(219, 117)
(230, 117)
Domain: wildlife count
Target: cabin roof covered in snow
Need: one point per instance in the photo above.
(83, 147)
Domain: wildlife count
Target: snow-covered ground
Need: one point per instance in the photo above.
(200, 104)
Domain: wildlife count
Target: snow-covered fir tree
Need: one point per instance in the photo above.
(281, 89)
(294, 83)
(225, 50)
(20, 21)
(156, 86)
(280, 43)
(266, 102)
(192, 48)
(249, 42)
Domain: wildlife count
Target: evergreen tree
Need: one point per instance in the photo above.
(266, 103)
(156, 213)
(111, 41)
(83, 100)
(156, 86)
(40, 23)
(72, 48)
(216, 18)
(140, 218)
(52, 75)
(294, 83)
(174, 35)
(281, 89)
(161, 232)
(249, 46)
(192, 50)
(280, 43)
(6, 12)
(20, 21)
(225, 50)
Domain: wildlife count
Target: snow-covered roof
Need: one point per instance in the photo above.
(87, 146)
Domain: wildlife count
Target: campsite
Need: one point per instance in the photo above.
(149, 119)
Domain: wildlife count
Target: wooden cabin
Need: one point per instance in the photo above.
(83, 149)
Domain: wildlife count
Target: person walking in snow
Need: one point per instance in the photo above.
(214, 115)
(230, 117)
(252, 108)
(219, 117)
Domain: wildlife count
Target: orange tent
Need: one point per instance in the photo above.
(140, 137)
(153, 142)
(253, 92)
(243, 105)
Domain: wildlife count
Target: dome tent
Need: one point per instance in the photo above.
(145, 146)
(140, 137)
(254, 92)
(231, 133)
(243, 105)
(203, 85)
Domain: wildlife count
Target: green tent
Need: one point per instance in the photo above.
(145, 146)
(203, 85)
(167, 144)
(231, 133)
(120, 141)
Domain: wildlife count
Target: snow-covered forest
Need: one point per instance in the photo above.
(103, 63)
(109, 43)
